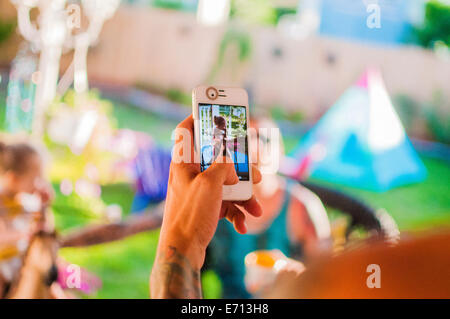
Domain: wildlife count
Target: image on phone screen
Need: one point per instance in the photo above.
(223, 130)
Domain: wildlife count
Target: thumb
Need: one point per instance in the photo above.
(222, 171)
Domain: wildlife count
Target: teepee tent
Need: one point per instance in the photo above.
(361, 142)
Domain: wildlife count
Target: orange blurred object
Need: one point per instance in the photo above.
(261, 269)
(417, 267)
(264, 259)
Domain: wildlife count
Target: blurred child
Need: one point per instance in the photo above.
(219, 135)
(24, 197)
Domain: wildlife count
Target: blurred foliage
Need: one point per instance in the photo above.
(438, 119)
(436, 26)
(66, 164)
(173, 94)
(130, 117)
(280, 11)
(279, 113)
(2, 109)
(407, 109)
(181, 5)
(92, 96)
(253, 11)
(75, 211)
(243, 41)
(72, 211)
(261, 12)
(179, 96)
(6, 29)
(296, 117)
(434, 115)
(233, 36)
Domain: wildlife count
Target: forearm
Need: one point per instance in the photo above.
(94, 235)
(176, 271)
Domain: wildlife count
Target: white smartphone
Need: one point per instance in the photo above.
(221, 117)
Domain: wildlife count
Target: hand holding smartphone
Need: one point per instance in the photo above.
(221, 116)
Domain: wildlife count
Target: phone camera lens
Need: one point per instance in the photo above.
(212, 93)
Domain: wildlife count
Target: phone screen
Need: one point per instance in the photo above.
(223, 130)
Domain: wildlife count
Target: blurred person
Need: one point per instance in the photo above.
(21, 178)
(219, 136)
(25, 196)
(294, 221)
(413, 269)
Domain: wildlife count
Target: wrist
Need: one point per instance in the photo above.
(176, 272)
(184, 245)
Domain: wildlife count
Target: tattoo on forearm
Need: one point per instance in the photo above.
(174, 277)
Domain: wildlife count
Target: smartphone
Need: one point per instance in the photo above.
(221, 117)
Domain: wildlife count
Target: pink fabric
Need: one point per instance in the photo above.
(303, 170)
(363, 81)
(89, 283)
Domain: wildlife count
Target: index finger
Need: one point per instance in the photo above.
(251, 206)
(187, 123)
(183, 150)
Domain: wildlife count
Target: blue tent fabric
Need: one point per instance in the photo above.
(349, 158)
